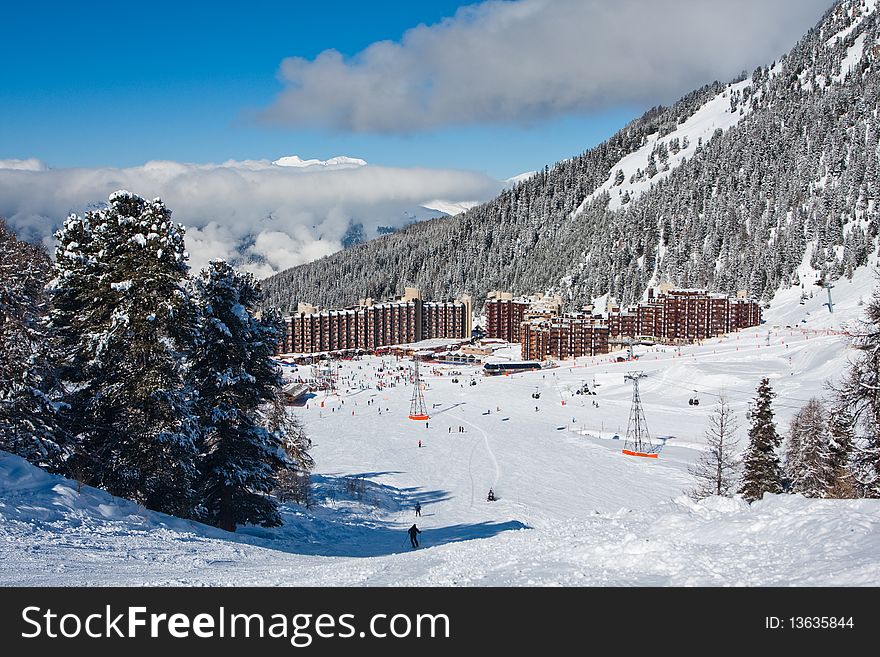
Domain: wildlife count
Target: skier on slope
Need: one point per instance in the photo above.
(418, 509)
(413, 531)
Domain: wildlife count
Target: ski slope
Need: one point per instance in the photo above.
(572, 510)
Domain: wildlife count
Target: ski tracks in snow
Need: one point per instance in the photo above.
(488, 450)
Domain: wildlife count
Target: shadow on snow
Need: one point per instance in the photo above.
(354, 516)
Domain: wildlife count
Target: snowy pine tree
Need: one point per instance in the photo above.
(792, 456)
(761, 471)
(124, 320)
(840, 434)
(293, 482)
(716, 468)
(244, 443)
(858, 393)
(28, 421)
(808, 455)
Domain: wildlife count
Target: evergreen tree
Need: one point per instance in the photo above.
(293, 482)
(716, 468)
(792, 468)
(808, 457)
(124, 320)
(28, 421)
(245, 443)
(858, 393)
(761, 471)
(840, 429)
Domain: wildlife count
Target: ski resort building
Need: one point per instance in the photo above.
(569, 336)
(505, 315)
(369, 325)
(667, 316)
(681, 316)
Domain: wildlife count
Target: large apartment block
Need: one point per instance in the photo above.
(668, 316)
(372, 325)
(679, 316)
(569, 336)
(505, 315)
(503, 318)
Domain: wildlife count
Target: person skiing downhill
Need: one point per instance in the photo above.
(418, 509)
(413, 531)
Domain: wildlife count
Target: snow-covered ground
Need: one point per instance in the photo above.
(571, 510)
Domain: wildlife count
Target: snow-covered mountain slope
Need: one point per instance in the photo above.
(571, 510)
(630, 176)
(727, 189)
(852, 14)
(807, 304)
(58, 536)
(338, 162)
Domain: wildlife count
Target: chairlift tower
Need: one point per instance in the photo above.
(638, 438)
(417, 409)
(828, 285)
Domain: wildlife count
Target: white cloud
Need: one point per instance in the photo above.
(533, 59)
(31, 164)
(264, 217)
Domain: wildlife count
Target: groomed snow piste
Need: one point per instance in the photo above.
(571, 509)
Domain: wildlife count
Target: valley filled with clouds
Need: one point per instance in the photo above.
(260, 216)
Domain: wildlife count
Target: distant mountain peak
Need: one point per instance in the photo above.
(515, 180)
(338, 162)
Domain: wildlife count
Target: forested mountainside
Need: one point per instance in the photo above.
(733, 187)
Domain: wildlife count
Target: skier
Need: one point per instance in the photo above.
(426, 425)
(418, 509)
(420, 443)
(413, 531)
(491, 496)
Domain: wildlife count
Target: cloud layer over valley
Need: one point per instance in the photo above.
(261, 216)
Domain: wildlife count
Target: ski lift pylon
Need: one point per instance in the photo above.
(638, 439)
(417, 410)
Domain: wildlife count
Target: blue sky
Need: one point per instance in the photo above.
(98, 84)
(443, 99)
(117, 84)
